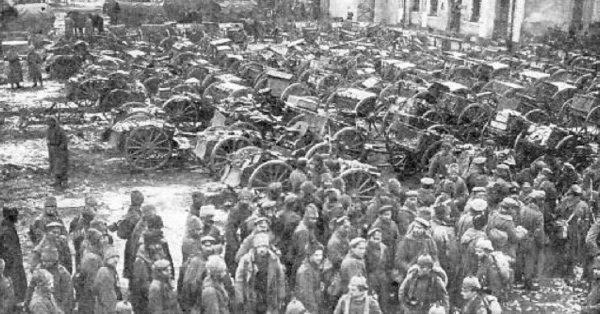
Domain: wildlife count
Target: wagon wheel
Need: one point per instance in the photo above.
(182, 112)
(375, 90)
(207, 94)
(566, 116)
(439, 129)
(261, 84)
(241, 93)
(90, 91)
(118, 80)
(327, 84)
(386, 93)
(323, 148)
(226, 146)
(296, 119)
(270, 172)
(566, 145)
(305, 75)
(114, 99)
(148, 148)
(243, 126)
(259, 77)
(475, 115)
(198, 73)
(433, 116)
(299, 89)
(366, 106)
(350, 142)
(593, 116)
(216, 128)
(538, 116)
(361, 185)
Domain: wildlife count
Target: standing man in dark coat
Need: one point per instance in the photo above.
(528, 250)
(309, 284)
(124, 228)
(10, 252)
(161, 296)
(79, 226)
(58, 152)
(235, 224)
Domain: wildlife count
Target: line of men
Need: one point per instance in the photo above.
(457, 244)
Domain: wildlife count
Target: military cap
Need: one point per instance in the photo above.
(50, 202)
(260, 219)
(53, 224)
(385, 208)
(547, 171)
(425, 260)
(341, 220)
(161, 264)
(576, 189)
(422, 222)
(427, 181)
(357, 241)
(509, 202)
(471, 283)
(479, 189)
(373, 230)
(479, 160)
(358, 281)
(478, 205)
(412, 194)
(207, 238)
(503, 167)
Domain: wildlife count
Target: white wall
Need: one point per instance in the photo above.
(340, 8)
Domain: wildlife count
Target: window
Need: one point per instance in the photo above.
(475, 14)
(416, 5)
(433, 7)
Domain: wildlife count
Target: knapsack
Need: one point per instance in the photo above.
(502, 263)
(491, 304)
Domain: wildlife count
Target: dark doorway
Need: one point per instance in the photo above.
(577, 20)
(502, 19)
(455, 8)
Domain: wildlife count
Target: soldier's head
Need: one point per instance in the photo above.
(245, 196)
(307, 188)
(207, 214)
(477, 206)
(111, 257)
(311, 215)
(155, 222)
(343, 225)
(385, 212)
(526, 188)
(137, 198)
(44, 281)
(91, 203)
(208, 245)
(153, 244)
(411, 199)
(576, 191)
(301, 163)
(509, 206)
(357, 286)
(195, 227)
(358, 247)
(446, 147)
(314, 252)
(50, 206)
(262, 224)
(10, 214)
(161, 269)
(53, 230)
(483, 248)
(49, 257)
(453, 170)
(198, 199)
(260, 243)
(339, 184)
(375, 235)
(215, 266)
(418, 228)
(470, 288)
(52, 121)
(148, 211)
(274, 190)
(425, 264)
(395, 186)
(95, 237)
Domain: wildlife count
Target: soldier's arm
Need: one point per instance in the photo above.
(591, 240)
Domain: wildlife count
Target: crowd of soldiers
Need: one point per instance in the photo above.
(460, 243)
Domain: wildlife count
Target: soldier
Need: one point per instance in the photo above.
(407, 213)
(15, 70)
(388, 228)
(473, 208)
(235, 223)
(339, 243)
(198, 200)
(262, 225)
(90, 264)
(378, 263)
(417, 241)
(106, 284)
(468, 242)
(148, 211)
(141, 273)
(298, 175)
(423, 288)
(426, 194)
(124, 228)
(476, 176)
(438, 167)
(357, 299)
(58, 152)
(50, 214)
(79, 226)
(194, 273)
(502, 229)
(309, 287)
(34, 63)
(444, 235)
(532, 219)
(284, 227)
(11, 254)
(161, 296)
(53, 239)
(578, 216)
(7, 292)
(474, 303)
(215, 297)
(460, 191)
(206, 215)
(303, 236)
(260, 279)
(354, 263)
(43, 301)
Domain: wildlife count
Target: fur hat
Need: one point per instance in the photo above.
(471, 283)
(425, 260)
(215, 264)
(50, 201)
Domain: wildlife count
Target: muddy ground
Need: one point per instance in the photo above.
(97, 170)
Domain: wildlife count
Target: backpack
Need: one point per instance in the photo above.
(502, 264)
(491, 304)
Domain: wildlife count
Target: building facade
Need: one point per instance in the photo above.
(491, 19)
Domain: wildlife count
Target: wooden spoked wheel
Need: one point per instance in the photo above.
(148, 148)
